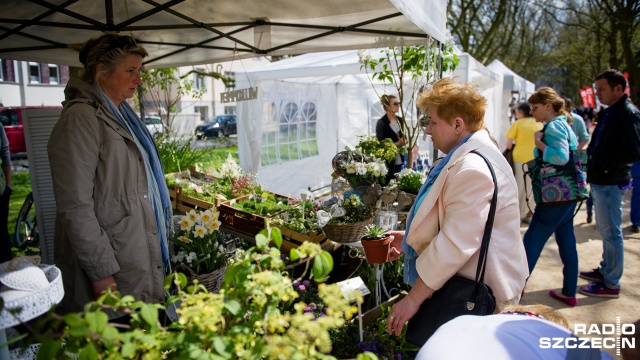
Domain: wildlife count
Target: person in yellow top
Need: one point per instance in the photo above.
(521, 133)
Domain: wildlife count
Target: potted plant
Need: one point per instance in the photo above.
(199, 250)
(345, 221)
(375, 243)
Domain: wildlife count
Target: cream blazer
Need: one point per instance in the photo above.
(446, 231)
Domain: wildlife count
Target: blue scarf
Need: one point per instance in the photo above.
(410, 274)
(158, 192)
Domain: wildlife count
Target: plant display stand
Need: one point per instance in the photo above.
(32, 304)
(378, 270)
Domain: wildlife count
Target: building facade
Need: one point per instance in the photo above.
(25, 83)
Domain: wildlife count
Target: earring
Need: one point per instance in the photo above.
(456, 133)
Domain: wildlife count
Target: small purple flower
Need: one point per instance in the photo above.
(306, 283)
(302, 288)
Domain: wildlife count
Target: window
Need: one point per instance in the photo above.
(231, 76)
(9, 117)
(7, 72)
(54, 74)
(375, 113)
(229, 110)
(289, 131)
(34, 73)
(203, 111)
(198, 80)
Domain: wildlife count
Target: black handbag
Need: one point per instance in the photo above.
(458, 296)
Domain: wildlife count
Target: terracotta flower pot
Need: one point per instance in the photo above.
(376, 250)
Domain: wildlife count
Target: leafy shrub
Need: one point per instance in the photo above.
(177, 155)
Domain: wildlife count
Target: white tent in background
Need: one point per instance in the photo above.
(515, 89)
(311, 106)
(491, 83)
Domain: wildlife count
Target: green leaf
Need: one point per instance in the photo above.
(322, 265)
(276, 236)
(97, 321)
(221, 345)
(230, 274)
(88, 352)
(73, 319)
(168, 281)
(48, 350)
(127, 299)
(80, 330)
(110, 333)
(367, 355)
(261, 241)
(128, 349)
(294, 254)
(233, 307)
(150, 314)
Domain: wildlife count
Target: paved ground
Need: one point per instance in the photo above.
(548, 275)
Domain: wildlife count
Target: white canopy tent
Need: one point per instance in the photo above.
(186, 32)
(311, 106)
(515, 89)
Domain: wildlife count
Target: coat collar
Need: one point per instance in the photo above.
(477, 140)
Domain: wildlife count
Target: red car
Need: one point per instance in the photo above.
(11, 119)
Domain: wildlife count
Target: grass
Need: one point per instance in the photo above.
(213, 158)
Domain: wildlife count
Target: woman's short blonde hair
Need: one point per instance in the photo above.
(453, 99)
(107, 49)
(545, 311)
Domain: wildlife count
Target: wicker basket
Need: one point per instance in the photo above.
(346, 233)
(211, 281)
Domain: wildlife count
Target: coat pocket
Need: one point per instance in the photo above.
(129, 243)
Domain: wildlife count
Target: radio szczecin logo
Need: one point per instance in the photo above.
(604, 336)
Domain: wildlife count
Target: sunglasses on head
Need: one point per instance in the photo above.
(121, 42)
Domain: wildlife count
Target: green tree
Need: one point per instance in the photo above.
(166, 87)
(395, 65)
(598, 35)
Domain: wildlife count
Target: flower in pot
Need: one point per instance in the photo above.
(376, 244)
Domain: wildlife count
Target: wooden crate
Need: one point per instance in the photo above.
(184, 203)
(240, 221)
(292, 239)
(370, 316)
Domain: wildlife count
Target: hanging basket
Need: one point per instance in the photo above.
(346, 233)
(211, 281)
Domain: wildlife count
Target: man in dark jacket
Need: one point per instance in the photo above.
(614, 147)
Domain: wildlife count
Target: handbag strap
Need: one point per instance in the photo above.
(484, 248)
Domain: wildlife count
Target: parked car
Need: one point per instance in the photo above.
(220, 126)
(153, 124)
(11, 119)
